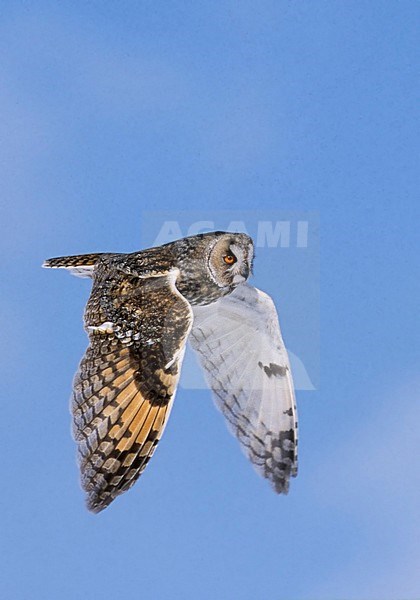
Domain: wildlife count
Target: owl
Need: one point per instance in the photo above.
(142, 309)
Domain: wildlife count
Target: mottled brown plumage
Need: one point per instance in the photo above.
(125, 385)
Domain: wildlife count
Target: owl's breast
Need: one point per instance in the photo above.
(200, 290)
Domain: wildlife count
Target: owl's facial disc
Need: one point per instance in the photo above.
(230, 259)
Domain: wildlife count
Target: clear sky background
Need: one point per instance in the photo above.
(109, 110)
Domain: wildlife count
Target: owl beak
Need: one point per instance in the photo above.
(238, 279)
(245, 271)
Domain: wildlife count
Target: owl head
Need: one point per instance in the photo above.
(211, 264)
(230, 258)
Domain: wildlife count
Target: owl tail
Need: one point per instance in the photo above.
(81, 265)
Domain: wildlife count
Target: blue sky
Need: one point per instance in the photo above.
(116, 116)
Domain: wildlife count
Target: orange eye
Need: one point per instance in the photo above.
(229, 259)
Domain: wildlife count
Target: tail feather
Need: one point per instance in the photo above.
(81, 265)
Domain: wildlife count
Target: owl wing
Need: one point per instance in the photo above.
(241, 350)
(125, 386)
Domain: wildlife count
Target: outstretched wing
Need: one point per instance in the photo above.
(241, 350)
(126, 382)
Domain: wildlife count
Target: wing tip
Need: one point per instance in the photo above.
(95, 505)
(83, 271)
(77, 261)
(281, 483)
(281, 486)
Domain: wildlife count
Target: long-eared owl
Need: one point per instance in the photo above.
(142, 309)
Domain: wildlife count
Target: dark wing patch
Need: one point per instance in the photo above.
(125, 385)
(273, 369)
